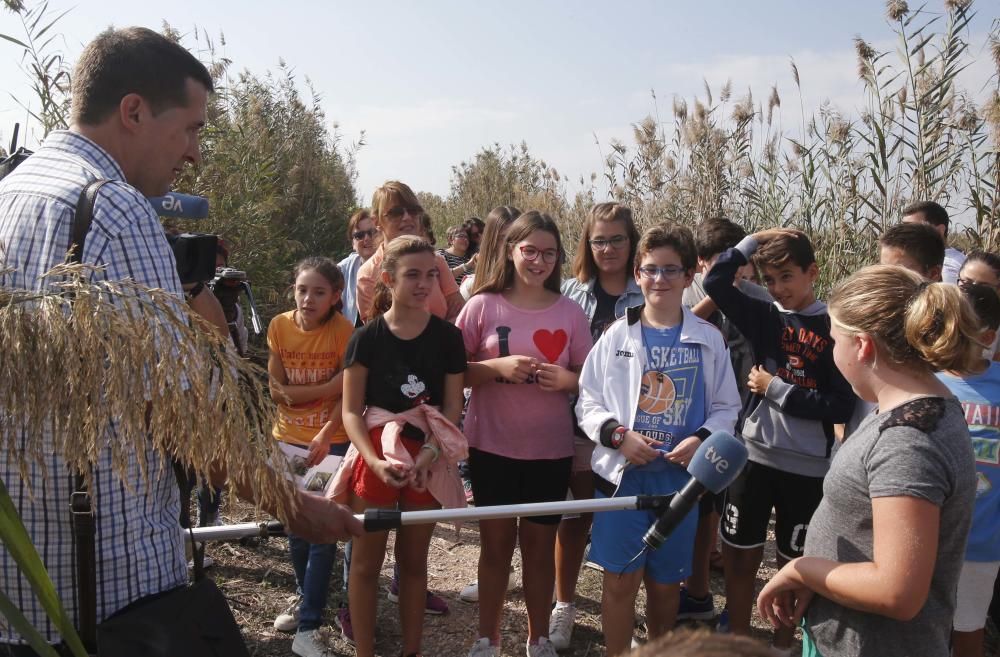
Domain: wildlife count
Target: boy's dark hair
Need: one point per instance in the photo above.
(678, 238)
(933, 213)
(985, 302)
(792, 247)
(919, 241)
(132, 60)
(715, 235)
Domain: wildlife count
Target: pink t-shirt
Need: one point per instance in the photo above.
(521, 421)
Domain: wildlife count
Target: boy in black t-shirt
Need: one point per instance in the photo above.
(787, 423)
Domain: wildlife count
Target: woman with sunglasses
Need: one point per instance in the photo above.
(361, 231)
(457, 255)
(396, 211)
(604, 287)
(526, 344)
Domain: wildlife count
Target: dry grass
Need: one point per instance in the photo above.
(85, 340)
(259, 582)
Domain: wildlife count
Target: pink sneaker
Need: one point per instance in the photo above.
(343, 622)
(435, 606)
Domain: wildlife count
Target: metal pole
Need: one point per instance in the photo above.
(382, 519)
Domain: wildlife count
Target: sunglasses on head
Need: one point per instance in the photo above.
(362, 234)
(397, 212)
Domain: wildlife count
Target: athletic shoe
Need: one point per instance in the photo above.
(471, 592)
(343, 622)
(467, 485)
(722, 627)
(288, 620)
(307, 645)
(435, 605)
(206, 563)
(691, 608)
(484, 648)
(543, 648)
(561, 625)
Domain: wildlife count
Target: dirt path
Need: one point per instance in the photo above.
(258, 580)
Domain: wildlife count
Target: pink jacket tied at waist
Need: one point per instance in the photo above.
(443, 481)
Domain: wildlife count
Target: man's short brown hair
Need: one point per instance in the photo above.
(132, 60)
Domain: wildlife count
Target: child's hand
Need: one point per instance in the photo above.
(758, 380)
(553, 378)
(319, 448)
(391, 474)
(420, 474)
(684, 451)
(771, 233)
(516, 368)
(639, 449)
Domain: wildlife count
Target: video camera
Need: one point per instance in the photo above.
(194, 252)
(227, 285)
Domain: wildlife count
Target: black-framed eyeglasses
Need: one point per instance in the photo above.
(362, 234)
(616, 242)
(669, 272)
(531, 254)
(397, 212)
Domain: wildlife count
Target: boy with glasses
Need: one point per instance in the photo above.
(656, 384)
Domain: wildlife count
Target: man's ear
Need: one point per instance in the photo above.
(934, 273)
(131, 111)
(987, 337)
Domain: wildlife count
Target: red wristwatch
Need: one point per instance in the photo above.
(618, 437)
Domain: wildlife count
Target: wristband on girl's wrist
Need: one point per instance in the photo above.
(433, 450)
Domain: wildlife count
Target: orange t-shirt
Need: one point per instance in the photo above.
(437, 303)
(308, 357)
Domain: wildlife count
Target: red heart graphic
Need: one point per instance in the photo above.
(549, 343)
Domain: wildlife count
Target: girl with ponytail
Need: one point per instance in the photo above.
(885, 547)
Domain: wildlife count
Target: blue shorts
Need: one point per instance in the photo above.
(617, 535)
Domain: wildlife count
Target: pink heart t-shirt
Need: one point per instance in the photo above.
(520, 420)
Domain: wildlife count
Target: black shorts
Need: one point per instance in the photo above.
(500, 480)
(757, 490)
(710, 502)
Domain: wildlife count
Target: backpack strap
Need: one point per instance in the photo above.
(81, 510)
(82, 219)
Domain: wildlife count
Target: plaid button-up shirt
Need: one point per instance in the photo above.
(138, 544)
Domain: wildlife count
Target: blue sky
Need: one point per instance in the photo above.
(432, 82)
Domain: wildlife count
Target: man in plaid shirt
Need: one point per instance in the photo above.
(139, 104)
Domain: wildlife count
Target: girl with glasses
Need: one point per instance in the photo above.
(526, 343)
(604, 287)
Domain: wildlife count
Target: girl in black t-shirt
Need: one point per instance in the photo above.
(402, 359)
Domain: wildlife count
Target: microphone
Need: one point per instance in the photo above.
(182, 206)
(714, 466)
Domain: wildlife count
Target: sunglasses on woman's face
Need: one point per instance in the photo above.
(362, 234)
(397, 212)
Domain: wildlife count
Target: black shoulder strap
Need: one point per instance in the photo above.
(81, 510)
(82, 219)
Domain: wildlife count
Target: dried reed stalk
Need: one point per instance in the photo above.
(83, 351)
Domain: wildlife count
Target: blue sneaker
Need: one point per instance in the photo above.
(692, 608)
(722, 627)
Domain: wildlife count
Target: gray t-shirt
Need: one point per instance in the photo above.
(920, 449)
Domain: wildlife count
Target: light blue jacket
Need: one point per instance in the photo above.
(583, 294)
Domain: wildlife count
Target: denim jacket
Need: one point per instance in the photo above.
(583, 294)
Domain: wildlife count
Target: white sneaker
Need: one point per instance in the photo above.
(543, 648)
(471, 592)
(561, 625)
(206, 563)
(307, 645)
(288, 620)
(483, 648)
